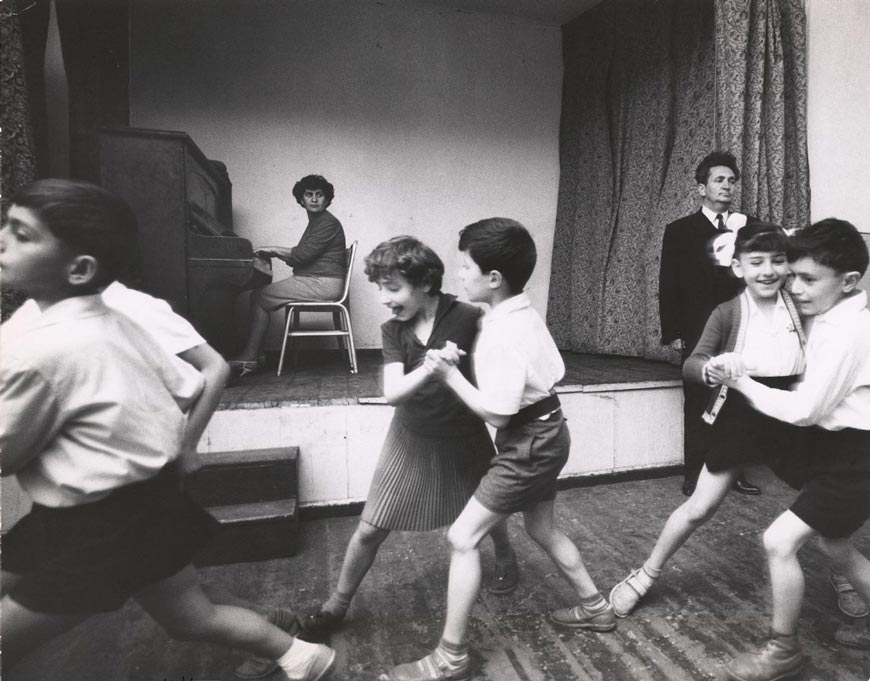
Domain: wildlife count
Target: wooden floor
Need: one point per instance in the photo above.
(711, 601)
(321, 378)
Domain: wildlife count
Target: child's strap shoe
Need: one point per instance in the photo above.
(850, 603)
(433, 667)
(625, 596)
(779, 658)
(261, 667)
(505, 578)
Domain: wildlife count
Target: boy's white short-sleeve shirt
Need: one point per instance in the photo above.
(89, 400)
(172, 331)
(516, 362)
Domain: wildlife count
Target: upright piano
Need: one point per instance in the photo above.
(190, 255)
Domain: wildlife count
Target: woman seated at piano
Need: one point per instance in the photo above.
(318, 262)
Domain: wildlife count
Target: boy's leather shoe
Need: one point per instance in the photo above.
(779, 658)
(579, 617)
(505, 578)
(850, 603)
(743, 486)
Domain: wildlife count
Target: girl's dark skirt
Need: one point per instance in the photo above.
(93, 557)
(423, 482)
(742, 436)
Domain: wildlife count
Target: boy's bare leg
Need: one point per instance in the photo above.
(24, 630)
(781, 655)
(181, 607)
(463, 585)
(561, 550)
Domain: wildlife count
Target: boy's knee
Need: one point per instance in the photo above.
(776, 545)
(460, 540)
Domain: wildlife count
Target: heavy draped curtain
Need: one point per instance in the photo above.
(649, 89)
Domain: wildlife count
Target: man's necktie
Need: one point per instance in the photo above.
(720, 223)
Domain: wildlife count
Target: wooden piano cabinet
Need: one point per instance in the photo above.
(183, 201)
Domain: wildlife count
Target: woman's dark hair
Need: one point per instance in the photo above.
(89, 218)
(310, 182)
(407, 256)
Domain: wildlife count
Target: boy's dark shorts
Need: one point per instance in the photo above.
(835, 497)
(529, 460)
(93, 557)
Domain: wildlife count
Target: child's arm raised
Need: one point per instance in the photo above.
(438, 365)
(824, 384)
(399, 386)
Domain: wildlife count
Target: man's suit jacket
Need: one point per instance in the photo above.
(690, 286)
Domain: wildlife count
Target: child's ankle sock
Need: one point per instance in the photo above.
(296, 660)
(337, 604)
(456, 654)
(647, 575)
(594, 603)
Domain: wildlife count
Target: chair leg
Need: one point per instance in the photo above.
(294, 347)
(351, 350)
(287, 317)
(338, 323)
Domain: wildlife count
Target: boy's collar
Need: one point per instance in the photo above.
(845, 308)
(512, 304)
(75, 307)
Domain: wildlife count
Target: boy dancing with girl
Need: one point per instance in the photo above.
(516, 365)
(827, 260)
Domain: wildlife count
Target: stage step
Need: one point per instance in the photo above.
(253, 495)
(246, 476)
(252, 532)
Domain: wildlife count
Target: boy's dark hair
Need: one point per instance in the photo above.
(310, 182)
(501, 244)
(407, 256)
(833, 243)
(90, 219)
(713, 159)
(764, 237)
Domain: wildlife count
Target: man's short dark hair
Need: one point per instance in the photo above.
(713, 159)
(88, 218)
(833, 243)
(407, 256)
(310, 183)
(762, 237)
(501, 244)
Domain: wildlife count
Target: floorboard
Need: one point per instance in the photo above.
(710, 603)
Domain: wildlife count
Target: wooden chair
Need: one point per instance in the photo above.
(340, 316)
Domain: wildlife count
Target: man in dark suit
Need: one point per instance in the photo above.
(692, 284)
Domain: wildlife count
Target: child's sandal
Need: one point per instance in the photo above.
(433, 667)
(625, 596)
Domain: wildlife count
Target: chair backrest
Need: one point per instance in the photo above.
(351, 255)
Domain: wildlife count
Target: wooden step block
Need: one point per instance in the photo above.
(252, 532)
(245, 477)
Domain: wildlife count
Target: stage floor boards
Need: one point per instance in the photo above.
(711, 602)
(322, 378)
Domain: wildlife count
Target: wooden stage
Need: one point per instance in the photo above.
(322, 379)
(711, 601)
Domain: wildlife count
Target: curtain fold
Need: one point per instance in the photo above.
(761, 85)
(649, 89)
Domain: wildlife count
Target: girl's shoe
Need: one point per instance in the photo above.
(625, 596)
(243, 367)
(433, 667)
(505, 578)
(317, 627)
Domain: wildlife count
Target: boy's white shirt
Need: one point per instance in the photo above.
(834, 392)
(128, 401)
(516, 362)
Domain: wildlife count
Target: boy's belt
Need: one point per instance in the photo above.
(529, 413)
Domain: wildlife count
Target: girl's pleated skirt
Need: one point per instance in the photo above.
(423, 482)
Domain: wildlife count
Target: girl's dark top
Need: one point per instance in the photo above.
(435, 410)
